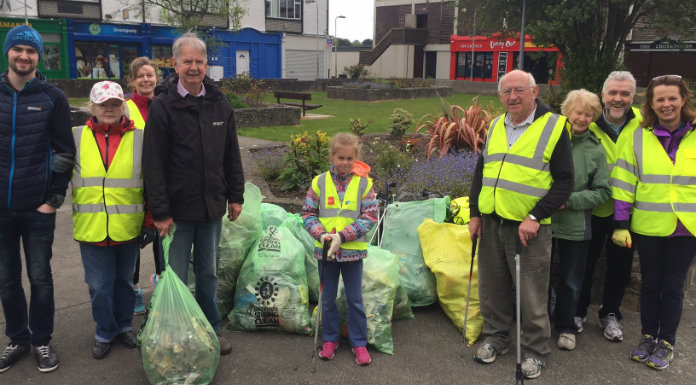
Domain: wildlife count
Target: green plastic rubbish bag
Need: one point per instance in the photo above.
(401, 237)
(402, 305)
(271, 289)
(177, 343)
(272, 215)
(294, 223)
(379, 285)
(236, 239)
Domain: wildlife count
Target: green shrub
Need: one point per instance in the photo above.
(356, 71)
(308, 157)
(401, 120)
(391, 164)
(235, 100)
(358, 128)
(269, 162)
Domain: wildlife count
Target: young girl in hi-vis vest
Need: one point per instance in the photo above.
(340, 208)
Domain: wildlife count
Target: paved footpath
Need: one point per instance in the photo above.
(427, 349)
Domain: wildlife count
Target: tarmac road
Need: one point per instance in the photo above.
(427, 349)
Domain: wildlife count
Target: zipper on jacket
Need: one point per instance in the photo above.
(12, 149)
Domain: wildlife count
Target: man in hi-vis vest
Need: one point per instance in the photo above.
(617, 117)
(524, 174)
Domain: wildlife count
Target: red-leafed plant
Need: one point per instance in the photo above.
(457, 128)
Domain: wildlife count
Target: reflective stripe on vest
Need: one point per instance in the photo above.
(516, 178)
(135, 115)
(107, 203)
(337, 214)
(665, 191)
(607, 208)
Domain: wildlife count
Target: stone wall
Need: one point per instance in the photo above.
(277, 115)
(374, 94)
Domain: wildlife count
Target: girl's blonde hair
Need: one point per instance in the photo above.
(586, 98)
(345, 140)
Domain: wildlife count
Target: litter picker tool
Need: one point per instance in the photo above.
(519, 377)
(317, 347)
(468, 291)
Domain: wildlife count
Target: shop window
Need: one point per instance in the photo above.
(51, 57)
(483, 65)
(284, 9)
(162, 56)
(98, 60)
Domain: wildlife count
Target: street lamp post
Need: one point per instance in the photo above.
(336, 45)
(316, 6)
(473, 43)
(524, 10)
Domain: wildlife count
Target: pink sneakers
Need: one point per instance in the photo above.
(362, 357)
(328, 350)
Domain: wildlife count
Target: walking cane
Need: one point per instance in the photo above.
(317, 347)
(468, 291)
(519, 377)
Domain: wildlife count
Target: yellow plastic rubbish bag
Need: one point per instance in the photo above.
(460, 210)
(447, 252)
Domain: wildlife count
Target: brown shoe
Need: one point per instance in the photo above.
(225, 345)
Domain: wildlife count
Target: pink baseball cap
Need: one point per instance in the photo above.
(105, 90)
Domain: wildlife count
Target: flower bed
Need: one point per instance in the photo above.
(372, 94)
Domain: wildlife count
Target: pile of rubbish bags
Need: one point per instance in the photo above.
(268, 273)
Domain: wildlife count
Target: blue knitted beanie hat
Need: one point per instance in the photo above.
(23, 34)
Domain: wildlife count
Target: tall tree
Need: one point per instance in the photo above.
(197, 14)
(590, 34)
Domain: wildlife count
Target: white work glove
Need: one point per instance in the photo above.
(335, 241)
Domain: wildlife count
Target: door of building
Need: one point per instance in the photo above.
(418, 58)
(431, 64)
(242, 62)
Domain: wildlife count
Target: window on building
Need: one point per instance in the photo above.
(162, 56)
(483, 65)
(51, 57)
(284, 9)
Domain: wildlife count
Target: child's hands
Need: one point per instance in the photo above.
(335, 241)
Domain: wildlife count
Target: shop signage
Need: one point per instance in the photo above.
(663, 46)
(107, 29)
(11, 24)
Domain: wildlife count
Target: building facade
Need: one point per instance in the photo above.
(97, 39)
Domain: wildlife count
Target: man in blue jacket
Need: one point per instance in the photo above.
(37, 152)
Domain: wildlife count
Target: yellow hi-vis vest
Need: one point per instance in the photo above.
(107, 203)
(135, 115)
(607, 208)
(333, 213)
(660, 191)
(516, 178)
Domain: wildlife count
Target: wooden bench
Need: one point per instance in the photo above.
(303, 96)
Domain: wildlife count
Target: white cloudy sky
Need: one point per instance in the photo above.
(359, 21)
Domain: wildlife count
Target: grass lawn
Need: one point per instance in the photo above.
(344, 110)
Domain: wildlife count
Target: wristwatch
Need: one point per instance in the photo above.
(532, 217)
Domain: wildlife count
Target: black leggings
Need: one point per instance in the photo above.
(156, 247)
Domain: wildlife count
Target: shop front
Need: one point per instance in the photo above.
(494, 56)
(54, 34)
(104, 51)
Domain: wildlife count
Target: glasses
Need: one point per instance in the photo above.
(675, 77)
(516, 90)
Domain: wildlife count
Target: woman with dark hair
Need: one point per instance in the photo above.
(654, 187)
(143, 79)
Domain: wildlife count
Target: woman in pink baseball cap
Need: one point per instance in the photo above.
(108, 212)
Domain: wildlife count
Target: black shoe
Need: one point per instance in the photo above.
(100, 349)
(11, 355)
(46, 358)
(128, 339)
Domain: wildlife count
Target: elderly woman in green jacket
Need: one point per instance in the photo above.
(571, 225)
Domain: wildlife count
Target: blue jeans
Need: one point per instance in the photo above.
(352, 281)
(573, 258)
(204, 237)
(109, 276)
(664, 264)
(35, 229)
